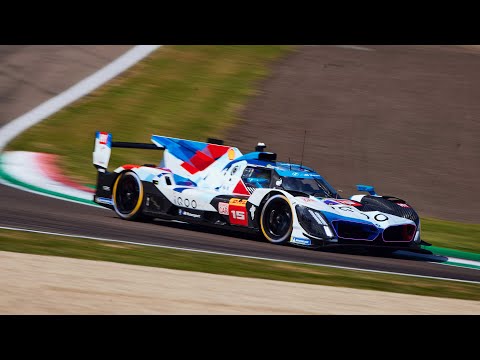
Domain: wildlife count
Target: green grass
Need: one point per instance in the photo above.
(191, 92)
(453, 235)
(41, 244)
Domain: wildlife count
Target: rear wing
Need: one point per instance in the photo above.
(103, 147)
(190, 159)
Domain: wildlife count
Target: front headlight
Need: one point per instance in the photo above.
(313, 222)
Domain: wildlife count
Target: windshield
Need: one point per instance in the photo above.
(314, 187)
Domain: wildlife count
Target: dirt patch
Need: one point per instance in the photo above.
(405, 119)
(34, 284)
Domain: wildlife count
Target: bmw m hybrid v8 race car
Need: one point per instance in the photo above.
(213, 184)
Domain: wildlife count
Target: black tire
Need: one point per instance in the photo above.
(128, 196)
(276, 219)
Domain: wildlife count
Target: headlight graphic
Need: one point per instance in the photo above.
(313, 222)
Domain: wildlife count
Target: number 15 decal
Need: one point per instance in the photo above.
(238, 214)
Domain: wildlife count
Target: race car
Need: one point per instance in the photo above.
(213, 184)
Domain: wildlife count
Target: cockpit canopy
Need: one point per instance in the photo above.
(302, 180)
(317, 187)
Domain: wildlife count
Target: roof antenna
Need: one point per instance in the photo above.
(290, 163)
(304, 140)
(260, 147)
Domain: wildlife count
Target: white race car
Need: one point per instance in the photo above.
(213, 184)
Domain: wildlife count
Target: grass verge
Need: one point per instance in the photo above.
(79, 248)
(452, 235)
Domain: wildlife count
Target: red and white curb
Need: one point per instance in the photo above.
(41, 172)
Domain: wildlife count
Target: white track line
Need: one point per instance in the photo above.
(234, 255)
(355, 47)
(14, 128)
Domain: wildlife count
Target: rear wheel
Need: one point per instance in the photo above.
(276, 220)
(128, 196)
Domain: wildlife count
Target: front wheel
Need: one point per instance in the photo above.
(128, 195)
(276, 220)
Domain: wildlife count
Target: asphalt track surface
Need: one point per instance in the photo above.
(32, 211)
(405, 119)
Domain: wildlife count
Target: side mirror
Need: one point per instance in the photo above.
(367, 188)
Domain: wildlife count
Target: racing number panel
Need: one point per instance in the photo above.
(235, 210)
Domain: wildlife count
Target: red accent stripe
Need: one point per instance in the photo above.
(217, 150)
(130, 166)
(189, 168)
(201, 160)
(241, 189)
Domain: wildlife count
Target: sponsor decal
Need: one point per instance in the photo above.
(349, 202)
(231, 154)
(345, 208)
(186, 213)
(237, 209)
(102, 200)
(106, 188)
(330, 202)
(186, 202)
(240, 202)
(381, 217)
(223, 208)
(306, 199)
(252, 211)
(301, 241)
(403, 205)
